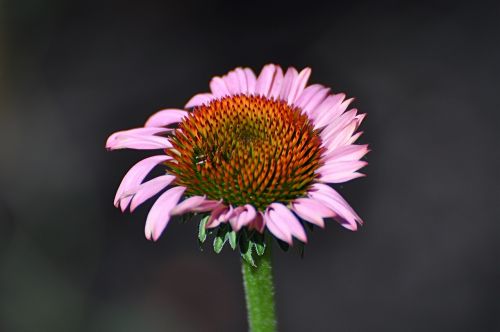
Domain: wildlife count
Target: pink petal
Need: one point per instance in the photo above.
(312, 211)
(308, 93)
(338, 124)
(361, 117)
(242, 216)
(200, 99)
(346, 216)
(232, 83)
(247, 216)
(277, 83)
(251, 80)
(328, 110)
(340, 108)
(213, 220)
(159, 215)
(265, 80)
(138, 138)
(324, 117)
(138, 142)
(226, 215)
(278, 229)
(332, 119)
(188, 205)
(242, 80)
(341, 137)
(148, 189)
(354, 138)
(257, 223)
(342, 177)
(207, 205)
(218, 87)
(234, 218)
(135, 175)
(290, 76)
(282, 221)
(165, 117)
(316, 100)
(347, 153)
(299, 85)
(337, 172)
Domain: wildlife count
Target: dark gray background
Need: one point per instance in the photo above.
(72, 72)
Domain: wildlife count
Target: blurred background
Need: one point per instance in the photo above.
(73, 72)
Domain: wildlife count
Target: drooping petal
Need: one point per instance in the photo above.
(139, 139)
(188, 205)
(213, 220)
(234, 218)
(139, 142)
(282, 220)
(346, 216)
(226, 215)
(135, 176)
(278, 229)
(312, 211)
(207, 205)
(148, 189)
(159, 215)
(242, 216)
(257, 223)
(165, 117)
(247, 216)
(200, 99)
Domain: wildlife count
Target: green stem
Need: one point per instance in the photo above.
(259, 293)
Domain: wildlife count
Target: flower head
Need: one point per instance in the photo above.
(255, 153)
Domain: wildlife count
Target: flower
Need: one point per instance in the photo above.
(255, 152)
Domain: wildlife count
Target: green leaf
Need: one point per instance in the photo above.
(220, 238)
(259, 243)
(246, 246)
(260, 248)
(202, 231)
(247, 256)
(231, 237)
(219, 244)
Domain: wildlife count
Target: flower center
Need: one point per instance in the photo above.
(246, 150)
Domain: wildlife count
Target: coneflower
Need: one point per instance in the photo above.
(255, 153)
